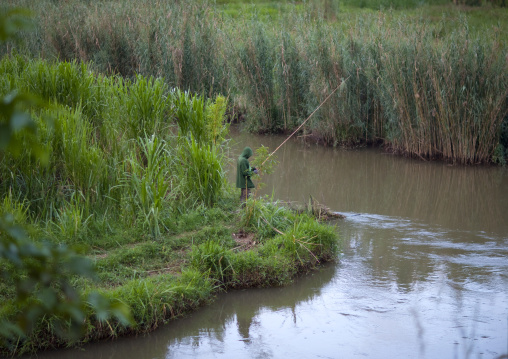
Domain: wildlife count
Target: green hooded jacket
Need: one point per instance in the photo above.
(243, 170)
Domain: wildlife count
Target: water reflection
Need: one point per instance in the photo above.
(408, 253)
(241, 309)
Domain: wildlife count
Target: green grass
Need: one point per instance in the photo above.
(346, 12)
(164, 279)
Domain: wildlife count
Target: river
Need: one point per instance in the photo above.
(423, 272)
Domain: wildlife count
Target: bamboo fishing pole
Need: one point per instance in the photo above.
(303, 123)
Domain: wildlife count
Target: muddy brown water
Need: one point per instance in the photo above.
(423, 271)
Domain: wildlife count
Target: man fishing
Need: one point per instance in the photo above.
(243, 173)
(243, 169)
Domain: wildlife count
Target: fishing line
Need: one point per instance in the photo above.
(342, 84)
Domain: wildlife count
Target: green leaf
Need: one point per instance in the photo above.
(21, 120)
(13, 21)
(48, 298)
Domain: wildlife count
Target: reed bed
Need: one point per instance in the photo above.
(447, 100)
(423, 90)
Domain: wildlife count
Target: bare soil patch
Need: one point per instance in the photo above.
(245, 241)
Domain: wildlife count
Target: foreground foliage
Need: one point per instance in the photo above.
(38, 273)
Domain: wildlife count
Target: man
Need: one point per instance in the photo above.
(243, 173)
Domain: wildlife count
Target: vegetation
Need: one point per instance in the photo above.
(134, 174)
(38, 273)
(428, 81)
(127, 163)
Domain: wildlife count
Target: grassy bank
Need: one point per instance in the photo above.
(425, 81)
(133, 174)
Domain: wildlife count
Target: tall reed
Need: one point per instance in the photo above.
(149, 182)
(294, 77)
(420, 89)
(202, 166)
(148, 106)
(256, 61)
(445, 101)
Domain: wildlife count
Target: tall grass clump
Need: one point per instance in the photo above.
(148, 106)
(213, 259)
(266, 219)
(215, 113)
(190, 115)
(200, 153)
(77, 167)
(306, 241)
(70, 219)
(202, 166)
(139, 149)
(149, 182)
(256, 57)
(15, 208)
(443, 101)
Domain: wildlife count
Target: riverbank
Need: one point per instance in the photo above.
(132, 175)
(210, 250)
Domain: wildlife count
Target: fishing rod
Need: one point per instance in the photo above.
(342, 84)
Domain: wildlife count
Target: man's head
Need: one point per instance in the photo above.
(247, 152)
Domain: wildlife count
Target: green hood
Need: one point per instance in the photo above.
(246, 153)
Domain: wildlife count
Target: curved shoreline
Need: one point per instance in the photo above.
(155, 300)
